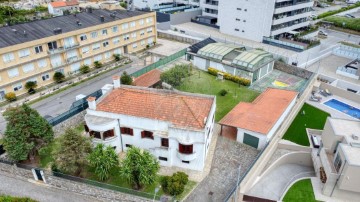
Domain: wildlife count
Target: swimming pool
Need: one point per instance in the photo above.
(343, 107)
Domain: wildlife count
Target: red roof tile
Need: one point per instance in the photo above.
(182, 110)
(148, 79)
(260, 115)
(72, 3)
(57, 4)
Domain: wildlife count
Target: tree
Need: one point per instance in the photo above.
(117, 57)
(10, 96)
(84, 69)
(97, 64)
(175, 184)
(30, 86)
(72, 154)
(59, 77)
(139, 167)
(175, 75)
(26, 132)
(103, 159)
(126, 79)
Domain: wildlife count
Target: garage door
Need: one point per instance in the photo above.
(251, 140)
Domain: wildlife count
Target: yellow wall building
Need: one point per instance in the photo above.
(34, 51)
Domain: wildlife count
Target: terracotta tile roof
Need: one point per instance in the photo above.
(183, 110)
(260, 115)
(148, 79)
(72, 3)
(57, 4)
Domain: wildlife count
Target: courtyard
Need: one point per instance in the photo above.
(203, 83)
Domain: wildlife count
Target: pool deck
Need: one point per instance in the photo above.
(334, 113)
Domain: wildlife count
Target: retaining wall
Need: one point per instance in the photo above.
(69, 123)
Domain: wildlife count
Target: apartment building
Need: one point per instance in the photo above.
(175, 127)
(256, 19)
(34, 51)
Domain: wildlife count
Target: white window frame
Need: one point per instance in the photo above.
(125, 26)
(104, 32)
(116, 40)
(132, 24)
(83, 37)
(17, 87)
(85, 49)
(26, 68)
(42, 63)
(13, 70)
(46, 76)
(115, 29)
(24, 53)
(94, 34)
(38, 49)
(96, 46)
(8, 57)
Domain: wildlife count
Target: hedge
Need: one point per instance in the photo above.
(227, 76)
(350, 23)
(326, 14)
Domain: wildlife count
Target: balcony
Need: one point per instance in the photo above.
(290, 18)
(186, 157)
(292, 7)
(70, 46)
(55, 51)
(283, 28)
(73, 59)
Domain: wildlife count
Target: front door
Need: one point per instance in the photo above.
(125, 49)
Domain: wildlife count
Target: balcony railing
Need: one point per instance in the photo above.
(70, 46)
(186, 157)
(73, 59)
(54, 51)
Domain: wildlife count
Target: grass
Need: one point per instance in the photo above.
(204, 83)
(349, 23)
(300, 191)
(350, 44)
(7, 198)
(314, 118)
(333, 12)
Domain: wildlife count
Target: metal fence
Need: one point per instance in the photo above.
(76, 107)
(161, 62)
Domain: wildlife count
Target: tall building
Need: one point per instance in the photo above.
(34, 51)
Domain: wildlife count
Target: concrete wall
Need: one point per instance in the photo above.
(177, 37)
(163, 25)
(183, 17)
(69, 123)
(341, 92)
(347, 52)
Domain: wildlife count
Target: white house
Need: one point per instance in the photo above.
(255, 123)
(175, 127)
(57, 8)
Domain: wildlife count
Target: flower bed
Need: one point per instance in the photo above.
(227, 76)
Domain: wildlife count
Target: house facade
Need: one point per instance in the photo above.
(65, 43)
(175, 127)
(57, 8)
(255, 123)
(338, 157)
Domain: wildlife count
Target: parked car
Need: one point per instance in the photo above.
(322, 33)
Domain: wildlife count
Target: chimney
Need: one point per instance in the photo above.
(116, 81)
(92, 103)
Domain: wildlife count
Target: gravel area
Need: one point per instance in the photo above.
(222, 178)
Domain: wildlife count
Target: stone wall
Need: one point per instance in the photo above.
(68, 123)
(305, 74)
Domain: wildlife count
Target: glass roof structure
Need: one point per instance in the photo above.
(217, 50)
(252, 58)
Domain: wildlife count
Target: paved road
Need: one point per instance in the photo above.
(16, 187)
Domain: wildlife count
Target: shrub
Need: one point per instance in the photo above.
(59, 77)
(223, 92)
(175, 75)
(126, 79)
(11, 96)
(84, 69)
(227, 76)
(116, 57)
(30, 86)
(175, 184)
(98, 64)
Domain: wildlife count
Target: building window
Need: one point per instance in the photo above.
(115, 29)
(133, 35)
(42, 63)
(237, 19)
(128, 145)
(17, 87)
(83, 37)
(116, 40)
(24, 53)
(28, 68)
(8, 57)
(85, 49)
(185, 149)
(13, 72)
(141, 22)
(94, 35)
(162, 158)
(38, 49)
(126, 131)
(237, 30)
(134, 45)
(52, 45)
(186, 162)
(96, 46)
(105, 44)
(108, 134)
(126, 37)
(239, 9)
(45, 77)
(149, 30)
(104, 32)
(147, 134)
(95, 134)
(142, 32)
(164, 142)
(337, 163)
(125, 26)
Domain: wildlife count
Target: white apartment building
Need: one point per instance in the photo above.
(255, 19)
(175, 127)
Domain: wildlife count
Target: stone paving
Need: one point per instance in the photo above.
(222, 178)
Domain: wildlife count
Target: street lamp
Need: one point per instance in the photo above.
(156, 191)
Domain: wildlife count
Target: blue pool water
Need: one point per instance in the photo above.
(343, 107)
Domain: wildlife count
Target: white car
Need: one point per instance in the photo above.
(322, 33)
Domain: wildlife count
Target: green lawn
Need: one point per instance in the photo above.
(314, 118)
(300, 191)
(204, 83)
(6, 198)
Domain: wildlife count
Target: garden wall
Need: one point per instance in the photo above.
(305, 74)
(71, 122)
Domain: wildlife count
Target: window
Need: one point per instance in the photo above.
(42, 63)
(38, 49)
(149, 20)
(83, 37)
(52, 45)
(104, 32)
(8, 57)
(162, 158)
(24, 53)
(115, 29)
(87, 61)
(337, 163)
(142, 32)
(132, 24)
(186, 162)
(126, 37)
(117, 51)
(17, 87)
(142, 43)
(105, 43)
(133, 35)
(150, 41)
(85, 49)
(237, 30)
(245, 9)
(98, 58)
(141, 22)
(33, 80)
(134, 45)
(185, 149)
(126, 131)
(75, 67)
(45, 77)
(109, 134)
(147, 134)
(239, 9)
(116, 40)
(164, 142)
(13, 72)
(237, 19)
(107, 55)
(125, 26)
(28, 68)
(96, 46)
(128, 145)
(95, 134)
(94, 35)
(149, 30)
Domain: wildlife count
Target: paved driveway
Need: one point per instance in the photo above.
(273, 185)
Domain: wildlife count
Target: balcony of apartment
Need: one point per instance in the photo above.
(289, 26)
(290, 16)
(210, 12)
(281, 7)
(55, 51)
(211, 4)
(71, 46)
(73, 59)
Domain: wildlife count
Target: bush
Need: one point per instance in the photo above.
(116, 57)
(30, 86)
(175, 184)
(175, 75)
(98, 64)
(84, 69)
(223, 92)
(126, 79)
(11, 96)
(227, 76)
(59, 77)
